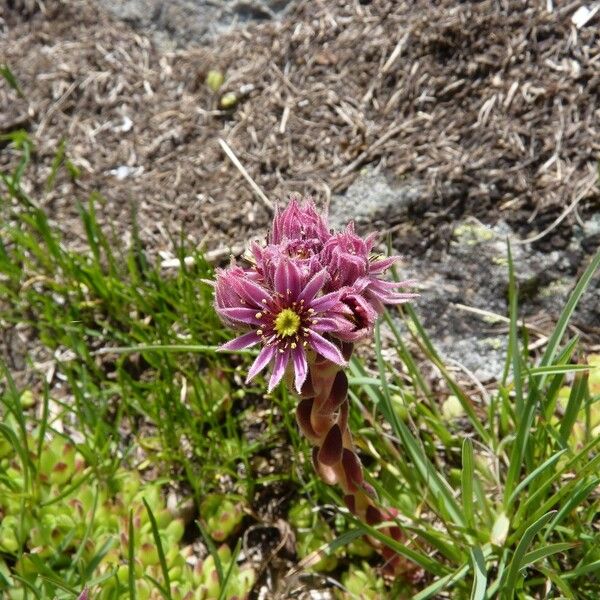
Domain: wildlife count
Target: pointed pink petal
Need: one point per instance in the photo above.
(281, 360)
(311, 289)
(262, 360)
(250, 291)
(300, 367)
(287, 277)
(241, 342)
(325, 348)
(243, 315)
(326, 302)
(377, 266)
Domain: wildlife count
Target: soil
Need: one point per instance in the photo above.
(485, 109)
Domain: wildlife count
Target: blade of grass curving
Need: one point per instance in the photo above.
(444, 504)
(130, 558)
(171, 348)
(583, 570)
(579, 494)
(535, 473)
(406, 356)
(28, 586)
(432, 590)
(161, 554)
(516, 563)
(536, 498)
(88, 530)
(554, 369)
(158, 585)
(545, 551)
(513, 334)
(478, 590)
(567, 488)
(558, 579)
(551, 395)
(223, 592)
(567, 313)
(423, 340)
(467, 476)
(212, 549)
(573, 405)
(428, 563)
(90, 567)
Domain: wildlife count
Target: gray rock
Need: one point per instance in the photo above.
(473, 272)
(179, 22)
(372, 200)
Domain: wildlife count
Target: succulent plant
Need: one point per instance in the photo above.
(221, 515)
(312, 532)
(362, 583)
(67, 514)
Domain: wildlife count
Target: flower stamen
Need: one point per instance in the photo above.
(287, 323)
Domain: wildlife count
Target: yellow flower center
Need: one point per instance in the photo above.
(287, 322)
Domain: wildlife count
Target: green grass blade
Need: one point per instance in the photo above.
(478, 590)
(432, 590)
(161, 553)
(130, 559)
(425, 343)
(467, 477)
(515, 358)
(535, 473)
(576, 397)
(225, 582)
(555, 369)
(567, 312)
(516, 563)
(10, 78)
(438, 486)
(212, 549)
(545, 551)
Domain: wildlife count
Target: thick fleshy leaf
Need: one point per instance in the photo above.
(303, 411)
(339, 391)
(352, 469)
(343, 416)
(325, 348)
(300, 367)
(331, 450)
(281, 361)
(373, 515)
(241, 342)
(327, 474)
(350, 502)
(262, 360)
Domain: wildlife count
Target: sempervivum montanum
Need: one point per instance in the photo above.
(307, 295)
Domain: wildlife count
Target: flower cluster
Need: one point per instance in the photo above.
(306, 292)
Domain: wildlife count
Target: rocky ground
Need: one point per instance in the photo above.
(447, 127)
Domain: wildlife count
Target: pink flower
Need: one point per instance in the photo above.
(346, 257)
(300, 224)
(286, 316)
(305, 289)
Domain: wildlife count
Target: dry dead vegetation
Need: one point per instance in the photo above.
(487, 107)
